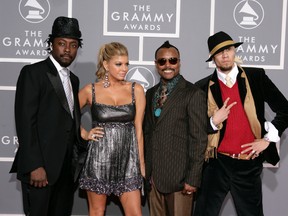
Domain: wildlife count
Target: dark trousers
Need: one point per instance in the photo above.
(241, 177)
(52, 200)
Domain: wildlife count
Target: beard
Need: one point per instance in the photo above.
(225, 68)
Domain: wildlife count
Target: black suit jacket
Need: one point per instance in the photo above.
(44, 124)
(263, 91)
(176, 142)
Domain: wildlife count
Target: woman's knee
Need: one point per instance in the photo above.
(131, 203)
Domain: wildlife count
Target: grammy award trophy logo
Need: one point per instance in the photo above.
(141, 75)
(248, 14)
(34, 11)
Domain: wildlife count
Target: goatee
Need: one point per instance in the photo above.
(225, 69)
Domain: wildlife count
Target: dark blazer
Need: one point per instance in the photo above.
(176, 142)
(263, 90)
(43, 122)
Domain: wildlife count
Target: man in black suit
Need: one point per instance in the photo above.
(175, 137)
(240, 138)
(48, 125)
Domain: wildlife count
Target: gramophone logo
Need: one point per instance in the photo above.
(34, 11)
(141, 75)
(248, 14)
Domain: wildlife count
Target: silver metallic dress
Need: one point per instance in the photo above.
(112, 164)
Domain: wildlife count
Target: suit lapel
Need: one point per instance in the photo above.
(75, 88)
(171, 100)
(150, 104)
(74, 83)
(241, 85)
(215, 90)
(55, 80)
(77, 112)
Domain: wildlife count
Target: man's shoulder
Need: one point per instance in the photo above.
(189, 85)
(252, 69)
(205, 79)
(36, 65)
(37, 69)
(202, 83)
(191, 88)
(152, 89)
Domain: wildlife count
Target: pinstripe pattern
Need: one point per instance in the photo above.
(175, 144)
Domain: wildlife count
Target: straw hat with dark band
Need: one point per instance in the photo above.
(219, 42)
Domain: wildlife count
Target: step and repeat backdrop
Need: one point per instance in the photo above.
(142, 25)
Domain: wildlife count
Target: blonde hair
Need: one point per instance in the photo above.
(106, 52)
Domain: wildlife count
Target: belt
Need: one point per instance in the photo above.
(236, 156)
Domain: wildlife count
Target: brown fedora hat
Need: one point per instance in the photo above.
(219, 42)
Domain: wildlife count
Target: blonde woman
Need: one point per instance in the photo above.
(115, 159)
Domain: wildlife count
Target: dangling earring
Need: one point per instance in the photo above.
(106, 82)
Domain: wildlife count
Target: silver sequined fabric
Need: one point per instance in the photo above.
(112, 165)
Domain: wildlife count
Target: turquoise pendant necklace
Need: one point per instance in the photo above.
(170, 86)
(157, 112)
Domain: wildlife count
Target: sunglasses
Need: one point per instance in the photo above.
(163, 61)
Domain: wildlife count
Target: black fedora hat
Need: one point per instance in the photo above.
(219, 42)
(66, 27)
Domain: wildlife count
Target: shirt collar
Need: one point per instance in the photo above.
(56, 64)
(233, 74)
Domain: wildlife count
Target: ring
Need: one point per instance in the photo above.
(189, 192)
(93, 136)
(253, 152)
